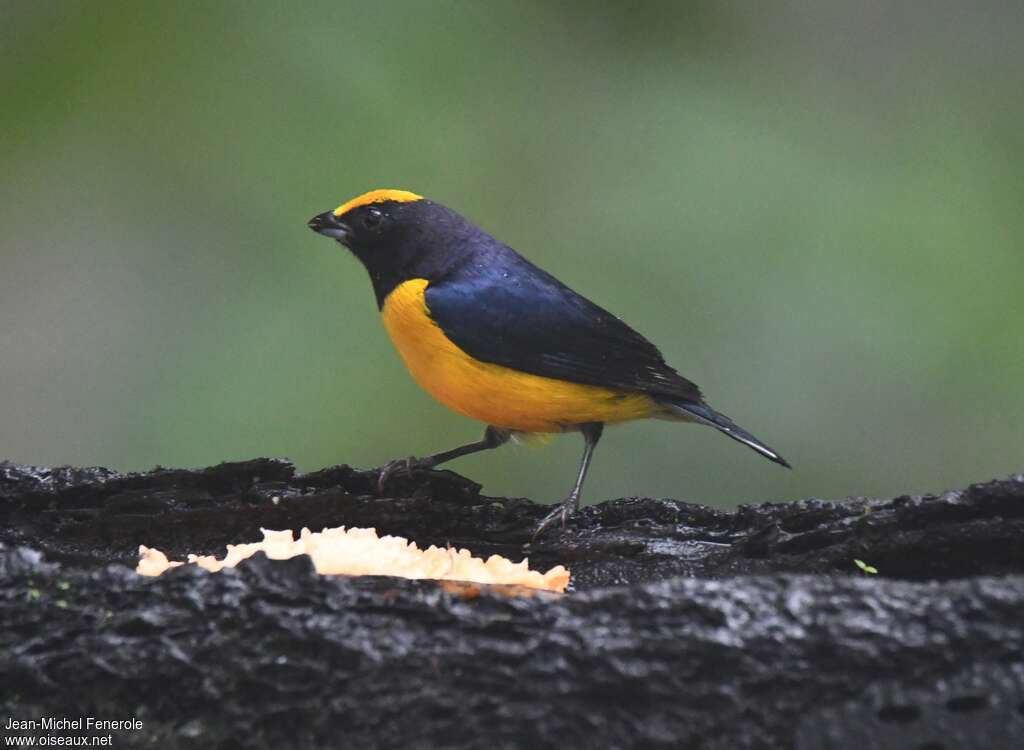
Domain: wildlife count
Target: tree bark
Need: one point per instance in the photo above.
(686, 627)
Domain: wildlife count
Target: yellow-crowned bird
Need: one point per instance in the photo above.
(494, 337)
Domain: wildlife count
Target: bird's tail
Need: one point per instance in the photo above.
(704, 414)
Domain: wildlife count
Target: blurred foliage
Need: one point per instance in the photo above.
(813, 208)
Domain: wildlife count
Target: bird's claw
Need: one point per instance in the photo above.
(408, 465)
(561, 511)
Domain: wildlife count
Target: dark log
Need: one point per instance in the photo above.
(751, 629)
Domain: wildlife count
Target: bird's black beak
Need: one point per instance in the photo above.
(329, 225)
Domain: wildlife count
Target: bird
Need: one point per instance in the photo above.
(494, 337)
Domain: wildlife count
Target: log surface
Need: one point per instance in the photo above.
(687, 626)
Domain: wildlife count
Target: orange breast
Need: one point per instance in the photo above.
(491, 393)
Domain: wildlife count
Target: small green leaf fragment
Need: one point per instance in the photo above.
(870, 569)
(33, 594)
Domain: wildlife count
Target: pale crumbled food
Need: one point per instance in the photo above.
(342, 551)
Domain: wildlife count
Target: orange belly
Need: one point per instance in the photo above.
(492, 393)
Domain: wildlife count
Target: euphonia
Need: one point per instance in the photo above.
(492, 336)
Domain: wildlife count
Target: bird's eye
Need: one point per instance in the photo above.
(373, 218)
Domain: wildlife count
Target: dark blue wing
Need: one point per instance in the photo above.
(504, 310)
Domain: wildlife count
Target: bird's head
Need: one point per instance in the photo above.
(371, 224)
(399, 235)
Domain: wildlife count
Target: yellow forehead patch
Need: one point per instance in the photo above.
(376, 196)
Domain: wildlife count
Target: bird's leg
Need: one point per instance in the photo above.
(493, 438)
(591, 434)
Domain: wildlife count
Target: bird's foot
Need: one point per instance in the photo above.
(407, 466)
(562, 511)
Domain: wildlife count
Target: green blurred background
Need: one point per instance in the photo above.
(815, 209)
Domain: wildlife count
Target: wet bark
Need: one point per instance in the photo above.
(686, 627)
